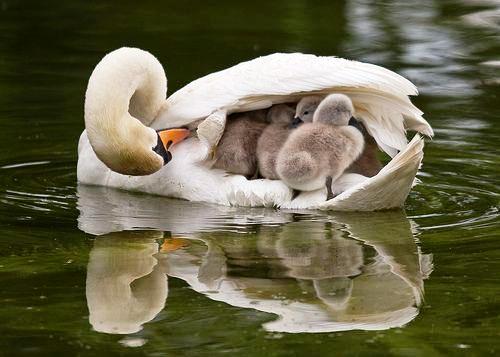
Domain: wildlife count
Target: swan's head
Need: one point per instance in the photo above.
(336, 109)
(146, 151)
(125, 93)
(281, 114)
(306, 108)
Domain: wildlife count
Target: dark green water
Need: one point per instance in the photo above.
(80, 264)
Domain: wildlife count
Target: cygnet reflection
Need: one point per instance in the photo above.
(320, 273)
(326, 259)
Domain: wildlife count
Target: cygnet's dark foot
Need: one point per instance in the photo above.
(256, 174)
(329, 192)
(295, 193)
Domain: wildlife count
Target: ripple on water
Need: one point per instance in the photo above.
(38, 186)
(455, 206)
(45, 186)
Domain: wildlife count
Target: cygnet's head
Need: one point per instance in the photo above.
(280, 114)
(306, 107)
(336, 109)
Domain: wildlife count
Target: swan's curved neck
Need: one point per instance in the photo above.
(125, 92)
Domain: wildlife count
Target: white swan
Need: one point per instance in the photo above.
(125, 103)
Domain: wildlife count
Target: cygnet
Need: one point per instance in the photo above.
(317, 153)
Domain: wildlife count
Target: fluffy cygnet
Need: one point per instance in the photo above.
(368, 164)
(307, 106)
(236, 152)
(323, 149)
(282, 122)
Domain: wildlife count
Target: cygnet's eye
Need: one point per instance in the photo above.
(306, 112)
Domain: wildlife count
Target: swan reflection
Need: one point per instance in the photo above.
(321, 274)
(126, 284)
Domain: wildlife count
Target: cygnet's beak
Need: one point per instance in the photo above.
(167, 138)
(295, 122)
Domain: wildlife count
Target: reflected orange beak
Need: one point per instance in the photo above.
(171, 137)
(173, 244)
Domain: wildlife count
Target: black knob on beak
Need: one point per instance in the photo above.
(167, 138)
(295, 123)
(160, 150)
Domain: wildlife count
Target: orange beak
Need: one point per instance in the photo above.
(171, 137)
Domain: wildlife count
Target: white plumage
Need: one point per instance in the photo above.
(380, 98)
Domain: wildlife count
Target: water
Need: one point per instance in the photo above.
(193, 279)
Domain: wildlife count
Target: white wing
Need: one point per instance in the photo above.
(388, 189)
(380, 96)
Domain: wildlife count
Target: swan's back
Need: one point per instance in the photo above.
(380, 96)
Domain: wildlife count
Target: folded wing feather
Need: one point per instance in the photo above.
(380, 96)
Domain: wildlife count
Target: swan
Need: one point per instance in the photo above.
(126, 109)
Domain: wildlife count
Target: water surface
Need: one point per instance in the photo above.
(89, 271)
